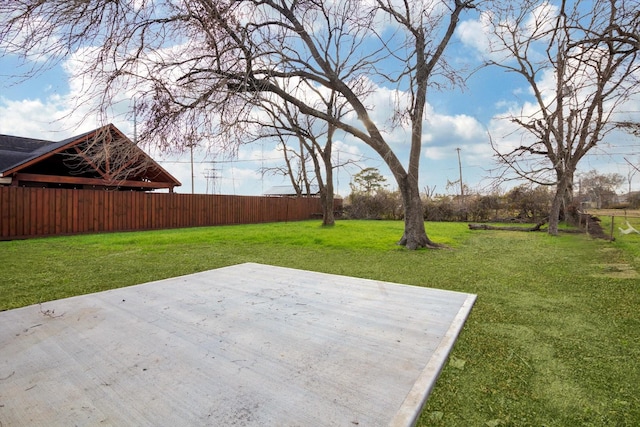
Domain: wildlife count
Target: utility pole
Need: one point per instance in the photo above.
(462, 201)
(135, 122)
(460, 169)
(211, 175)
(192, 176)
(191, 144)
(630, 174)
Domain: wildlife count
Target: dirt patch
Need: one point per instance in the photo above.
(616, 271)
(608, 249)
(593, 226)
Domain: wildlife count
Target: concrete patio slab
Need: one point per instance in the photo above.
(246, 345)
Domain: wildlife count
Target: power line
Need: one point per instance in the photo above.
(217, 161)
(262, 159)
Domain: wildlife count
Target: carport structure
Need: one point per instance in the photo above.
(103, 158)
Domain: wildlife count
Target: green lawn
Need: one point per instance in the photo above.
(553, 339)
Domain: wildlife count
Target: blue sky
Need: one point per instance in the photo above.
(459, 118)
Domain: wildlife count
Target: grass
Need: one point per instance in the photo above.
(630, 243)
(553, 339)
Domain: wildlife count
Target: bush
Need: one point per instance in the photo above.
(382, 204)
(524, 204)
(529, 204)
(445, 208)
(634, 201)
(484, 208)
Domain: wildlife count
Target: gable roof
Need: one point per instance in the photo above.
(24, 159)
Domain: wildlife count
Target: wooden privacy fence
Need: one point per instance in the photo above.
(31, 212)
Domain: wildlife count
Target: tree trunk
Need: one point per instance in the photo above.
(414, 236)
(567, 196)
(557, 206)
(326, 198)
(326, 190)
(561, 200)
(554, 214)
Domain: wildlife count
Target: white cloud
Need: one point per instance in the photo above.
(436, 153)
(483, 35)
(475, 33)
(51, 119)
(43, 46)
(446, 130)
(13, 115)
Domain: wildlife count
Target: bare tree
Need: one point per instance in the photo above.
(199, 65)
(283, 127)
(632, 128)
(580, 62)
(314, 138)
(600, 187)
(634, 169)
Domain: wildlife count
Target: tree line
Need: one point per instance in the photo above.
(526, 203)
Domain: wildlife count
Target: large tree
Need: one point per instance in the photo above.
(579, 60)
(198, 65)
(600, 188)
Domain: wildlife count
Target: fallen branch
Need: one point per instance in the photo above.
(536, 227)
(628, 230)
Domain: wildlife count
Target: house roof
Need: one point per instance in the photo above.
(24, 159)
(17, 150)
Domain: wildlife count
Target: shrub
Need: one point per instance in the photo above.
(382, 204)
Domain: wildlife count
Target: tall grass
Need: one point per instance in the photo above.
(553, 339)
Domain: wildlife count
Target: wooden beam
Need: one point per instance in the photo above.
(54, 179)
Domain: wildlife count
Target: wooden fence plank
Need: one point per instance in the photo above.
(5, 214)
(33, 212)
(56, 202)
(21, 199)
(43, 212)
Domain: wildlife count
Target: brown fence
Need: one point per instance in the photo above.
(32, 212)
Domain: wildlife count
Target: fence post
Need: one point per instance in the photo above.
(586, 223)
(612, 219)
